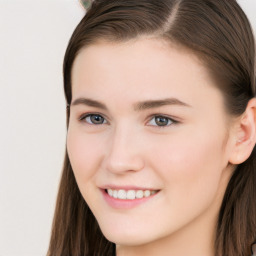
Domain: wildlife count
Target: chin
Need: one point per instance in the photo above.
(127, 241)
(128, 238)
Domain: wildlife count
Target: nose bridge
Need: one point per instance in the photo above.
(124, 152)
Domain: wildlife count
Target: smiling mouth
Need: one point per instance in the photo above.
(130, 194)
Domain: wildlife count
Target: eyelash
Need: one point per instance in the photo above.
(171, 121)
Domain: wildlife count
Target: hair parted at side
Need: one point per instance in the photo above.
(219, 33)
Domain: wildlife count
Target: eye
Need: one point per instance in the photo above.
(93, 119)
(161, 121)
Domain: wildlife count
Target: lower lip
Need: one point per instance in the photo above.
(125, 203)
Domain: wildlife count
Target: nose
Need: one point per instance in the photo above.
(124, 153)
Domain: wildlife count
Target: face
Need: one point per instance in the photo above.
(148, 126)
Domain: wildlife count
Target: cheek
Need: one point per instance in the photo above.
(84, 154)
(190, 166)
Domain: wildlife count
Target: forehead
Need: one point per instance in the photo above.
(137, 55)
(141, 69)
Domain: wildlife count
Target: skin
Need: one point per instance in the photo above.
(190, 161)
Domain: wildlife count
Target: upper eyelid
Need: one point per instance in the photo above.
(83, 116)
(172, 118)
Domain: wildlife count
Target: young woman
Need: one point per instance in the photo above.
(161, 118)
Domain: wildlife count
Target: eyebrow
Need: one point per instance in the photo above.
(139, 106)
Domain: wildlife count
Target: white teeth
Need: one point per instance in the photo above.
(139, 194)
(110, 192)
(147, 193)
(121, 194)
(115, 193)
(130, 194)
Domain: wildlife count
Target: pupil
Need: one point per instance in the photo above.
(161, 121)
(97, 119)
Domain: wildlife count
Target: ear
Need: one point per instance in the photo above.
(244, 134)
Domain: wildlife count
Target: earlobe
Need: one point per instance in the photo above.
(245, 134)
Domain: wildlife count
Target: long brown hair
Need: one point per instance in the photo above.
(219, 33)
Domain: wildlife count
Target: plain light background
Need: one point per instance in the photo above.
(33, 38)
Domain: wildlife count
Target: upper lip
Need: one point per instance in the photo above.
(116, 187)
